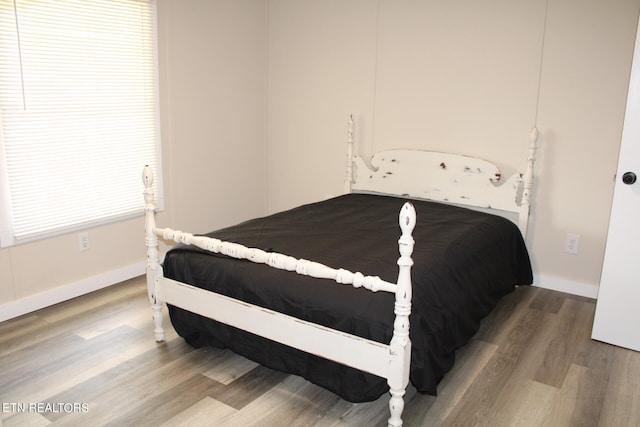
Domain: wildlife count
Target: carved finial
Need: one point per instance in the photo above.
(147, 180)
(147, 176)
(533, 136)
(407, 218)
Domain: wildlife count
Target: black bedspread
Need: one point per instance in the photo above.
(464, 262)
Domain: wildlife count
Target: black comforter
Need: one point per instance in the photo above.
(464, 262)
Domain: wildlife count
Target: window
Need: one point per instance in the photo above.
(78, 113)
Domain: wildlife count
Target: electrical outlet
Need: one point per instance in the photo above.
(572, 243)
(83, 241)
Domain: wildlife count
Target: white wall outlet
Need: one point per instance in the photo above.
(572, 243)
(83, 241)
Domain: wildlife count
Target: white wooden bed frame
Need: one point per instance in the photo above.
(411, 173)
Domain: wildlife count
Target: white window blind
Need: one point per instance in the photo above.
(78, 113)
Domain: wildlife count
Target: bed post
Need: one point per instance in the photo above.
(348, 180)
(400, 346)
(153, 265)
(525, 203)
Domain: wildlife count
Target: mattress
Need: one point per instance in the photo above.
(464, 262)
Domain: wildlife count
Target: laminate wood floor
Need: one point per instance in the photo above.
(93, 361)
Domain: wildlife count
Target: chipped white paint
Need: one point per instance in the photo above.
(444, 177)
(527, 183)
(154, 269)
(348, 178)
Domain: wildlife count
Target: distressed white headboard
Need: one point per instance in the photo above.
(443, 177)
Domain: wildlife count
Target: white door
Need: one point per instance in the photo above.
(617, 318)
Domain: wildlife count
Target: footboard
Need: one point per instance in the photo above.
(390, 361)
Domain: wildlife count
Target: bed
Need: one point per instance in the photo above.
(328, 290)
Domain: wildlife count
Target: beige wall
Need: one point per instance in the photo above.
(213, 82)
(584, 85)
(465, 76)
(212, 72)
(321, 67)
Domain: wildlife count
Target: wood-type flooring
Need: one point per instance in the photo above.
(92, 361)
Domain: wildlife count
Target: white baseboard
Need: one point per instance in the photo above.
(35, 302)
(588, 290)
